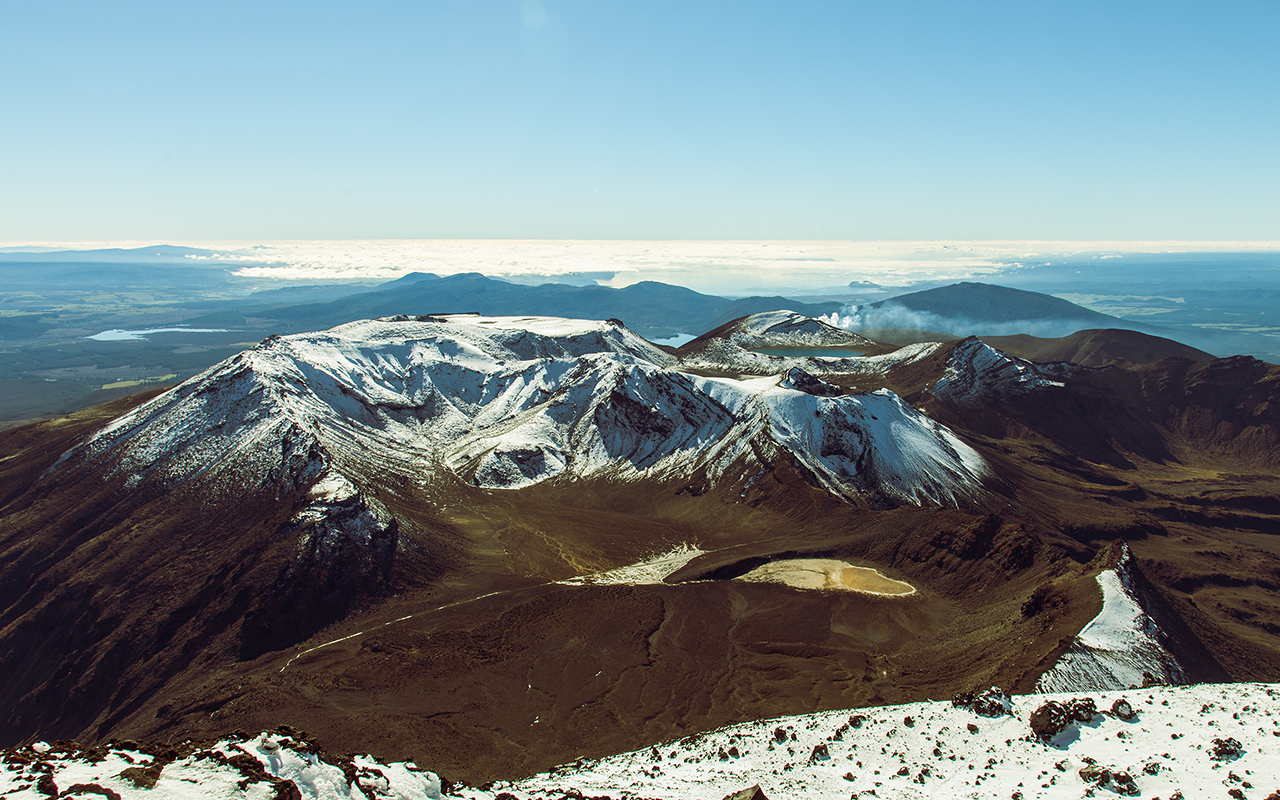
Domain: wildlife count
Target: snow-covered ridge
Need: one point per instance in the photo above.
(505, 402)
(1121, 647)
(1192, 742)
(789, 329)
(976, 373)
(722, 354)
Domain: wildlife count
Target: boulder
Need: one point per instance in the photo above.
(1050, 719)
(1226, 749)
(1122, 710)
(1082, 709)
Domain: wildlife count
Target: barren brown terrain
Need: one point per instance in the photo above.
(165, 615)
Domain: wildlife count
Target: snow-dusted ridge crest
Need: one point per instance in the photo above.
(1122, 646)
(789, 329)
(977, 373)
(507, 402)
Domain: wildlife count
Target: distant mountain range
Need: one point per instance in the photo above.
(654, 310)
(156, 253)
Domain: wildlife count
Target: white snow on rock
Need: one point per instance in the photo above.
(789, 329)
(1118, 648)
(976, 373)
(650, 571)
(507, 402)
(722, 354)
(261, 766)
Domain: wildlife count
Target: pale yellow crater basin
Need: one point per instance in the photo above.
(828, 573)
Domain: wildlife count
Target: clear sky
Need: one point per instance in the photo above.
(173, 121)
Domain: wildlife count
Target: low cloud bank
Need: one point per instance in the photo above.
(894, 315)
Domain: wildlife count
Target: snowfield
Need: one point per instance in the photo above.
(508, 402)
(1204, 741)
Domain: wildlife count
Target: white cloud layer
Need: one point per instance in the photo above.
(719, 267)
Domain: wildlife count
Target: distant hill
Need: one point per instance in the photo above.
(989, 303)
(162, 253)
(649, 308)
(1095, 348)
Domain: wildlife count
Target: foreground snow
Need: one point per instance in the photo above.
(1175, 742)
(937, 750)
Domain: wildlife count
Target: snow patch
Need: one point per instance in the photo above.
(1119, 648)
(650, 571)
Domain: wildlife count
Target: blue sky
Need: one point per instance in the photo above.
(639, 120)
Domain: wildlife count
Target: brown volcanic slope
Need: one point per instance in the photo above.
(1096, 348)
(163, 615)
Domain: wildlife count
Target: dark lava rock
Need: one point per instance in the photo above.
(780, 734)
(1124, 783)
(1122, 710)
(972, 728)
(992, 702)
(1225, 749)
(820, 753)
(91, 788)
(750, 793)
(142, 777)
(856, 721)
(1050, 719)
(1116, 780)
(1082, 709)
(46, 785)
(1092, 773)
(909, 722)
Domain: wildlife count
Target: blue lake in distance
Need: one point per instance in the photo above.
(124, 336)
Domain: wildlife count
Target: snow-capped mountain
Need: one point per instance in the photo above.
(506, 403)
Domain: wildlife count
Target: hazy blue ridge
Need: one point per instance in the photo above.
(648, 307)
